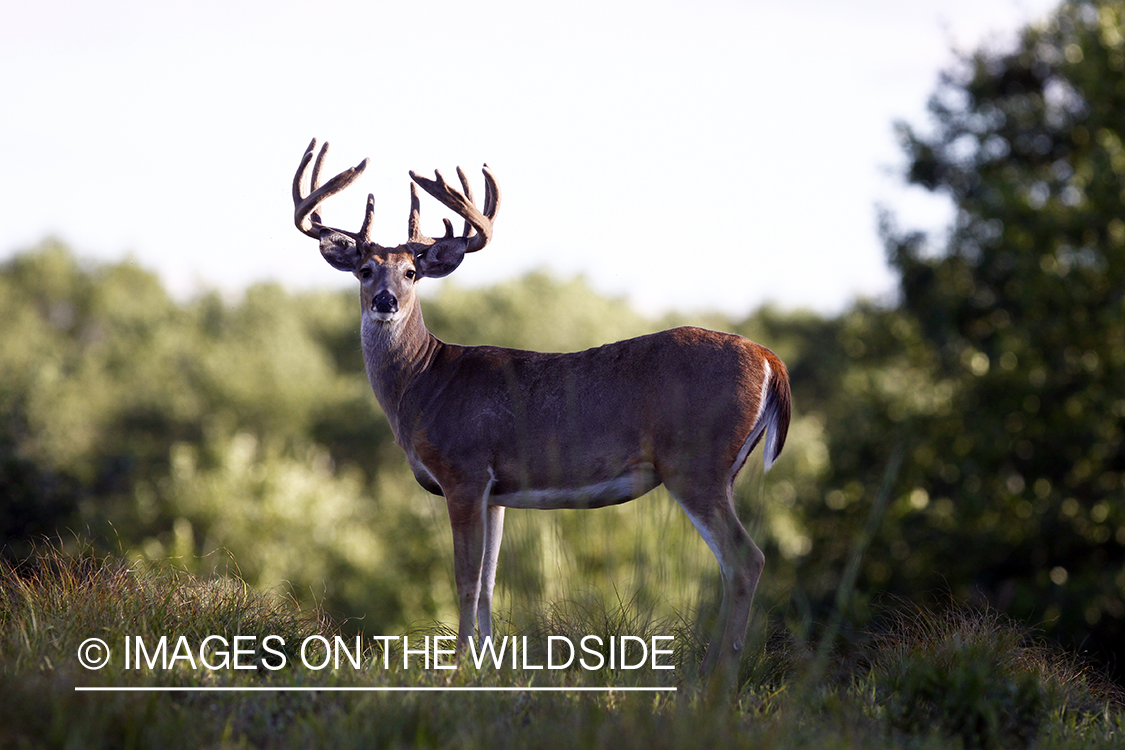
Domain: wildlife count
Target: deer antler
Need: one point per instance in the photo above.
(461, 204)
(305, 215)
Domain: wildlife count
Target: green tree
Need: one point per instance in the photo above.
(1015, 484)
(241, 433)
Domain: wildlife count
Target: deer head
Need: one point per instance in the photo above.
(387, 274)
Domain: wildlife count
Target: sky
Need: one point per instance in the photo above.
(685, 154)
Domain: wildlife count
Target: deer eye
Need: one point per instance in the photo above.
(365, 272)
(410, 273)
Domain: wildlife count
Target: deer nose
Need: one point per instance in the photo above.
(384, 302)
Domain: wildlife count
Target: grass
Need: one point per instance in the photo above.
(920, 679)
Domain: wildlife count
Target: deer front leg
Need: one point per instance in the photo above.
(493, 535)
(467, 518)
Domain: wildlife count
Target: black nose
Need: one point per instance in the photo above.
(385, 302)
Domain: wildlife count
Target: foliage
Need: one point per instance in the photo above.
(967, 677)
(533, 312)
(241, 435)
(1015, 479)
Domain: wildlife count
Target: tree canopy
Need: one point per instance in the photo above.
(1022, 305)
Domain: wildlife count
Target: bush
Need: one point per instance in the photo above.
(963, 690)
(977, 677)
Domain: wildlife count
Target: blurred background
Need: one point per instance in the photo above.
(917, 206)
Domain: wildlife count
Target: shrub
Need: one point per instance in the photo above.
(975, 676)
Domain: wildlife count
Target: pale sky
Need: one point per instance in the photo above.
(709, 154)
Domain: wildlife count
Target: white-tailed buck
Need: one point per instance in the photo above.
(491, 428)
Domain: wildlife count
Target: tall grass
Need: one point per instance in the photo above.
(957, 678)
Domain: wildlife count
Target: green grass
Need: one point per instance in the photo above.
(919, 680)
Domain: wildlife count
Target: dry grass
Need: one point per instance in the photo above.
(51, 602)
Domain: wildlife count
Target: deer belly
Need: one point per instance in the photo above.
(632, 484)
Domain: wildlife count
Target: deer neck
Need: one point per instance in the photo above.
(396, 353)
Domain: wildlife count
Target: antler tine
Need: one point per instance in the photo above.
(468, 190)
(414, 227)
(314, 181)
(464, 207)
(491, 194)
(304, 207)
(300, 176)
(368, 217)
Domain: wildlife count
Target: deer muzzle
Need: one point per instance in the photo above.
(385, 303)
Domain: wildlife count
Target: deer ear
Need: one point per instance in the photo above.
(441, 258)
(339, 250)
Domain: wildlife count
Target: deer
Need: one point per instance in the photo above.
(490, 428)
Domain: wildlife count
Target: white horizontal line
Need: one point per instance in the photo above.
(296, 689)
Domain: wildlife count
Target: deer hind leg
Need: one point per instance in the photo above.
(740, 564)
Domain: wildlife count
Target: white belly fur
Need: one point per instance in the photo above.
(611, 492)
